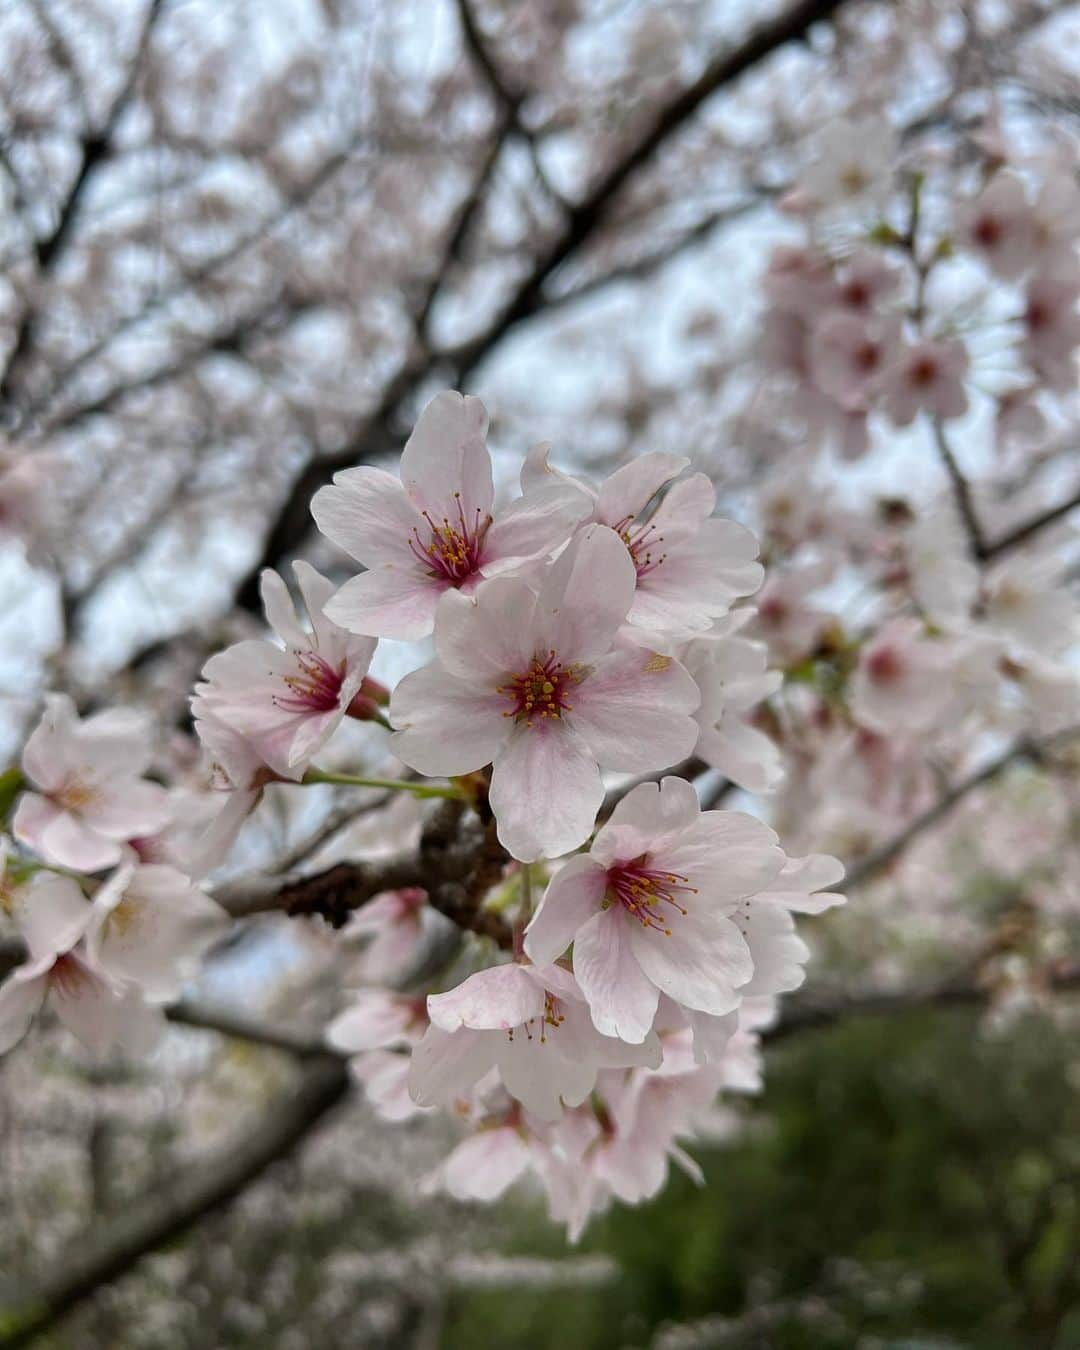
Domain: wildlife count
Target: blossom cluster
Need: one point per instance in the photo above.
(579, 632)
(880, 326)
(587, 650)
(106, 952)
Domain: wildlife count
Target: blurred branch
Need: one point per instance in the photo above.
(376, 435)
(881, 858)
(962, 992)
(509, 101)
(961, 491)
(111, 1249)
(227, 1022)
(97, 148)
(1022, 533)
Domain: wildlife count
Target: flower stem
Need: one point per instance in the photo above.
(422, 790)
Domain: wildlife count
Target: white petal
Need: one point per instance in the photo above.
(572, 898)
(545, 791)
(585, 596)
(634, 711)
(392, 600)
(21, 995)
(622, 1000)
(444, 725)
(446, 461)
(700, 965)
(498, 998)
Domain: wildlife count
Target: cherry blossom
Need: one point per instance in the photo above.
(925, 376)
(849, 355)
(91, 796)
(901, 683)
(435, 530)
(532, 684)
(287, 703)
(852, 165)
(53, 917)
(1051, 324)
(690, 566)
(151, 927)
(531, 1024)
(999, 227)
(651, 908)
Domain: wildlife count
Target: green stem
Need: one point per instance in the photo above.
(422, 790)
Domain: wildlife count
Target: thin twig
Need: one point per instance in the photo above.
(961, 491)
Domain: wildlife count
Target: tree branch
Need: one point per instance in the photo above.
(161, 1216)
(880, 858)
(377, 435)
(1022, 533)
(963, 992)
(961, 492)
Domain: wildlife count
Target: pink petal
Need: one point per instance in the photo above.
(700, 965)
(545, 791)
(444, 725)
(498, 998)
(573, 897)
(630, 489)
(622, 1000)
(647, 820)
(489, 634)
(368, 514)
(393, 600)
(446, 461)
(21, 995)
(585, 596)
(634, 710)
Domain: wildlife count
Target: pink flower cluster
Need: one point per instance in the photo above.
(103, 953)
(647, 973)
(857, 330)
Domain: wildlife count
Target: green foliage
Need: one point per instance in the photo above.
(907, 1183)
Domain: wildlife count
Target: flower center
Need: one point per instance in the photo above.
(541, 691)
(75, 795)
(71, 977)
(885, 665)
(453, 551)
(315, 686)
(642, 889)
(642, 542)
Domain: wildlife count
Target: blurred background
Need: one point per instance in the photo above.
(243, 242)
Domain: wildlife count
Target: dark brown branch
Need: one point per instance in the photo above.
(111, 1250)
(377, 435)
(459, 860)
(1022, 533)
(961, 492)
(227, 1022)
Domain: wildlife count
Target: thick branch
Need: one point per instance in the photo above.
(459, 860)
(110, 1251)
